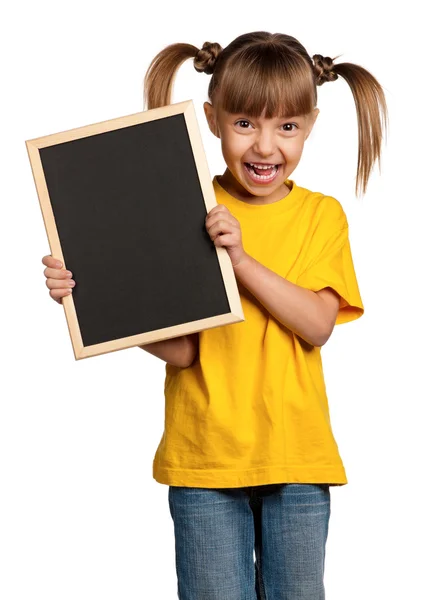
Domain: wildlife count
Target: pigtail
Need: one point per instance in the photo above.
(371, 110)
(161, 73)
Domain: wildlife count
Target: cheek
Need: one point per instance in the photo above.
(234, 149)
(293, 152)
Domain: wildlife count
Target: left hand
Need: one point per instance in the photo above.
(224, 230)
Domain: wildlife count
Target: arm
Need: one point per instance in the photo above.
(311, 315)
(179, 351)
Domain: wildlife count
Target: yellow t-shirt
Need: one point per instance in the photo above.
(252, 408)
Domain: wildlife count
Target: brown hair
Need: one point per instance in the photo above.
(273, 71)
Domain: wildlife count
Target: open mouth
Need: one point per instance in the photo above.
(262, 173)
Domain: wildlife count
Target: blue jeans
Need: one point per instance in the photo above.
(219, 531)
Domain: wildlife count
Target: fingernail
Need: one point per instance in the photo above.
(68, 273)
(59, 265)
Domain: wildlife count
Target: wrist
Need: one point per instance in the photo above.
(242, 262)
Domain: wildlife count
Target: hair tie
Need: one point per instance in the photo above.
(205, 59)
(323, 67)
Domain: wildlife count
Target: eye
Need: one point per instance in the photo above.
(242, 121)
(291, 125)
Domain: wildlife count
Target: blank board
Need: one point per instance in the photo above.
(124, 204)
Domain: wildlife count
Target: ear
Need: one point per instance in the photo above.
(210, 113)
(312, 119)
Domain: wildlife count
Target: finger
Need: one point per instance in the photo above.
(49, 261)
(215, 218)
(220, 207)
(56, 284)
(224, 240)
(218, 210)
(60, 274)
(53, 270)
(59, 294)
(220, 227)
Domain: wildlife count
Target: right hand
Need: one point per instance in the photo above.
(58, 280)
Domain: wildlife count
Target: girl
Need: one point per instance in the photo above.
(248, 451)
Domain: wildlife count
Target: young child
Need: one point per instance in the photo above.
(248, 450)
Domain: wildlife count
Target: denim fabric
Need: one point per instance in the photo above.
(254, 543)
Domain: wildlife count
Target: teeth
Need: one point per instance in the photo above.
(263, 177)
(261, 166)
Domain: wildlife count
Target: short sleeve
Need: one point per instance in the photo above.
(333, 267)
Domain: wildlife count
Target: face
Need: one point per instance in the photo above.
(276, 143)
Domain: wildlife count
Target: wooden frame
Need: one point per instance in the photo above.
(35, 146)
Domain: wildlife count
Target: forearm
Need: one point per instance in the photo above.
(178, 351)
(299, 309)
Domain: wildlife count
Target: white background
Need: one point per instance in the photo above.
(80, 514)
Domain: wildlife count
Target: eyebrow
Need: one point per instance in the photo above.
(279, 117)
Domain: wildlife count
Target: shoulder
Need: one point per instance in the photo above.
(323, 210)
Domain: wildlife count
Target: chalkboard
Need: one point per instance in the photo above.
(124, 204)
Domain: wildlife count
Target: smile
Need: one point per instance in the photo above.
(261, 173)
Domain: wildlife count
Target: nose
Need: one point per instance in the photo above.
(265, 143)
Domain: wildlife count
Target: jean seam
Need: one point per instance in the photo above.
(261, 583)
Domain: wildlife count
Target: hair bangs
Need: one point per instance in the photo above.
(259, 80)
